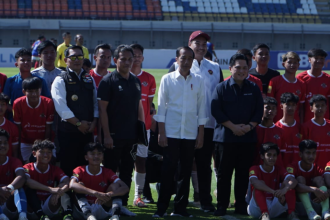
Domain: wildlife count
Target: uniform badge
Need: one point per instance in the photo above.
(298, 92)
(103, 184)
(42, 115)
(76, 175)
(276, 137)
(269, 89)
(327, 168)
(289, 169)
(299, 136)
(210, 72)
(144, 83)
(138, 86)
(324, 85)
(26, 170)
(120, 88)
(74, 97)
(251, 173)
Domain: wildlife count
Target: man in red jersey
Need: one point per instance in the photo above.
(34, 115)
(288, 83)
(291, 129)
(267, 131)
(95, 186)
(10, 127)
(102, 57)
(317, 82)
(272, 187)
(43, 197)
(310, 181)
(148, 89)
(318, 129)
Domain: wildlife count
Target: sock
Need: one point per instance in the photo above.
(116, 205)
(304, 198)
(215, 170)
(139, 179)
(324, 204)
(20, 200)
(194, 181)
(290, 198)
(260, 198)
(66, 204)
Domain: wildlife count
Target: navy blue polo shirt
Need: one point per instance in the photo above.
(240, 105)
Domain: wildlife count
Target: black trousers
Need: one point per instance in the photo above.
(72, 146)
(120, 158)
(230, 156)
(177, 159)
(203, 158)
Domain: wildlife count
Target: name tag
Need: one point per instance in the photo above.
(247, 94)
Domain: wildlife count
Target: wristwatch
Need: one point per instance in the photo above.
(251, 126)
(78, 123)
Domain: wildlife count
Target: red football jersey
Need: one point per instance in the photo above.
(272, 134)
(3, 79)
(99, 182)
(290, 142)
(12, 130)
(272, 179)
(296, 170)
(97, 77)
(315, 85)
(252, 78)
(33, 120)
(8, 170)
(53, 175)
(148, 89)
(279, 85)
(321, 135)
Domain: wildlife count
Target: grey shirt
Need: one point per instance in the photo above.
(48, 76)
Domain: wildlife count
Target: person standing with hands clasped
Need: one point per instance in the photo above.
(181, 117)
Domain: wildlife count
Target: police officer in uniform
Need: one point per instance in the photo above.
(74, 96)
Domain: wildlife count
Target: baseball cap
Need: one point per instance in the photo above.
(198, 33)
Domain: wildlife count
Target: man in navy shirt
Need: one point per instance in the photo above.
(13, 86)
(237, 107)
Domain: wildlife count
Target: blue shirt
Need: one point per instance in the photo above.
(13, 87)
(240, 105)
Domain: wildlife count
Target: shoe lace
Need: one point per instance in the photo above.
(67, 216)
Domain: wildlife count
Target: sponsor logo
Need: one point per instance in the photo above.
(289, 169)
(210, 72)
(324, 85)
(251, 173)
(299, 136)
(276, 137)
(144, 83)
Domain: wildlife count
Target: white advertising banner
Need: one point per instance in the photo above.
(7, 57)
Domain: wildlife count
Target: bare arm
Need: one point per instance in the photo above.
(108, 142)
(260, 185)
(38, 186)
(20, 179)
(119, 188)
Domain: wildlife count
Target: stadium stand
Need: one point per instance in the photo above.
(275, 11)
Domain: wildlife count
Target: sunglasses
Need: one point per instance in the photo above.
(73, 57)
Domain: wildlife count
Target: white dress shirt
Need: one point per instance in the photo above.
(210, 72)
(58, 92)
(181, 105)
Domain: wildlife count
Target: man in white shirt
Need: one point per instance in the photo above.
(181, 117)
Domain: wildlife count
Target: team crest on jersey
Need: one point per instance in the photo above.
(42, 115)
(50, 182)
(144, 83)
(298, 92)
(327, 168)
(76, 175)
(103, 184)
(138, 86)
(299, 136)
(210, 72)
(324, 85)
(269, 89)
(251, 173)
(26, 170)
(120, 88)
(276, 137)
(328, 133)
(289, 169)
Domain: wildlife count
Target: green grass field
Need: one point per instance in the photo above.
(144, 214)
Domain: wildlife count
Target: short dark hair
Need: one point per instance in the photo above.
(75, 37)
(258, 46)
(121, 48)
(66, 52)
(237, 56)
(209, 54)
(317, 98)
(102, 46)
(94, 146)
(269, 146)
(245, 52)
(184, 48)
(270, 100)
(317, 52)
(65, 34)
(137, 46)
(41, 37)
(42, 144)
(289, 97)
(32, 83)
(4, 133)
(307, 144)
(23, 52)
(44, 44)
(4, 98)
(87, 63)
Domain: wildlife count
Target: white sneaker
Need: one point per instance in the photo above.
(22, 216)
(3, 217)
(124, 211)
(312, 215)
(326, 215)
(91, 217)
(114, 217)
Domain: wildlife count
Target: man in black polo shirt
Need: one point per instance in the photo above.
(120, 106)
(237, 107)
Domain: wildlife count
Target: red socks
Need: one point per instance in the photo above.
(260, 198)
(290, 198)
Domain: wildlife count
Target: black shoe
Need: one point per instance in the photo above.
(220, 211)
(182, 214)
(157, 188)
(241, 210)
(159, 214)
(208, 208)
(196, 197)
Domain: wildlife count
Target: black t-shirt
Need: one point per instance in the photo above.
(265, 79)
(123, 96)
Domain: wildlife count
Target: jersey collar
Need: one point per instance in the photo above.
(27, 102)
(288, 80)
(325, 122)
(4, 122)
(303, 169)
(311, 75)
(5, 161)
(288, 125)
(35, 167)
(260, 125)
(265, 170)
(93, 174)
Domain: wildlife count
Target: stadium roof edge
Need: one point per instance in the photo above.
(228, 27)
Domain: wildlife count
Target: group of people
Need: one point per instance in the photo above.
(271, 128)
